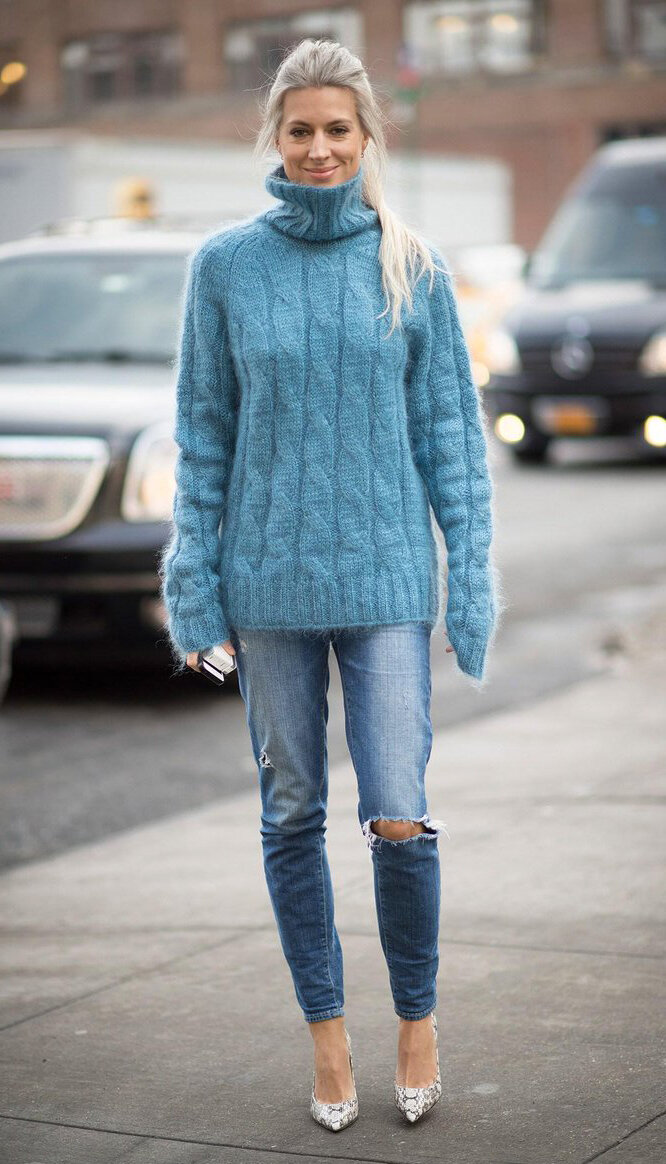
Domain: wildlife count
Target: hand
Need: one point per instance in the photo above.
(448, 649)
(191, 659)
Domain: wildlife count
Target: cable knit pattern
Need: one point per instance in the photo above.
(313, 451)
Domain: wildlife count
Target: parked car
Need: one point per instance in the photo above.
(7, 638)
(88, 335)
(583, 350)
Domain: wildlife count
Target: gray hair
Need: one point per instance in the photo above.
(314, 64)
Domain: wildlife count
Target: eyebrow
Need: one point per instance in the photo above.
(335, 121)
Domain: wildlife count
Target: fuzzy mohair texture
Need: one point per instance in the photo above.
(317, 454)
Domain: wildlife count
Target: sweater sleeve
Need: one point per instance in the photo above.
(450, 450)
(205, 432)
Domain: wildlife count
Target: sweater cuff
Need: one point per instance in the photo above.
(470, 634)
(471, 655)
(197, 632)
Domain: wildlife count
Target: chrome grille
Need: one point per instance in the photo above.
(606, 360)
(47, 484)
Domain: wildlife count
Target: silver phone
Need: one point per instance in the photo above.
(215, 663)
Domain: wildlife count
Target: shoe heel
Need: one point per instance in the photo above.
(336, 1116)
(414, 1102)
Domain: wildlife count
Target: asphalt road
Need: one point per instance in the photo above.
(581, 547)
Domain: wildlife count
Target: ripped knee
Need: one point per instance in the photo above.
(382, 830)
(397, 830)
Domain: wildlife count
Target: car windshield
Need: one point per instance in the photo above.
(612, 227)
(91, 307)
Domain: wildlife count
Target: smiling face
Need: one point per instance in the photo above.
(320, 138)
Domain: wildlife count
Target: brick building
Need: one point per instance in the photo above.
(538, 84)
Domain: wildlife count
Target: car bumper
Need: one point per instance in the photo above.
(86, 591)
(575, 410)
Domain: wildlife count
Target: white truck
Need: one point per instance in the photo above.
(49, 175)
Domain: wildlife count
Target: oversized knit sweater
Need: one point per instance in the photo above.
(312, 450)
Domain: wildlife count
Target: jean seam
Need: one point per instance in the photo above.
(323, 740)
(352, 750)
(336, 1004)
(382, 919)
(351, 731)
(353, 739)
(320, 842)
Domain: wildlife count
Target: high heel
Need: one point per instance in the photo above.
(336, 1116)
(414, 1102)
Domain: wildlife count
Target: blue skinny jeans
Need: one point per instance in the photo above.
(283, 677)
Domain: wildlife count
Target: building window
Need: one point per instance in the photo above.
(636, 28)
(254, 49)
(625, 129)
(121, 66)
(458, 37)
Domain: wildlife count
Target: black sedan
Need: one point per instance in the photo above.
(583, 351)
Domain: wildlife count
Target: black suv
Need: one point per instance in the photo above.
(583, 350)
(88, 336)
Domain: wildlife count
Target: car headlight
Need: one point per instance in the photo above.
(502, 355)
(652, 360)
(150, 481)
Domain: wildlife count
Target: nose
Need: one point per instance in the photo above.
(319, 147)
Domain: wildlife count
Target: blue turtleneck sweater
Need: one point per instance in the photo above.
(312, 450)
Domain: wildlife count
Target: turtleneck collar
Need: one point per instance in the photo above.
(318, 213)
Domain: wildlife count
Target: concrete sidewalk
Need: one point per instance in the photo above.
(149, 1016)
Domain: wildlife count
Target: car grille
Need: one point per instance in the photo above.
(47, 484)
(606, 360)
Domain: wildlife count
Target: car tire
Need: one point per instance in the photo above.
(533, 450)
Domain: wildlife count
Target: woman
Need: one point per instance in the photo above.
(313, 440)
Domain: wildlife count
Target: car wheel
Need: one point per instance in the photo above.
(533, 449)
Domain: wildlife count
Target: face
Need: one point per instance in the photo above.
(321, 139)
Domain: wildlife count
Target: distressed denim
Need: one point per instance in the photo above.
(385, 673)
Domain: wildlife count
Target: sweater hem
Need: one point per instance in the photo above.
(296, 601)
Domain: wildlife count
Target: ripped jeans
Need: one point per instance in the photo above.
(283, 677)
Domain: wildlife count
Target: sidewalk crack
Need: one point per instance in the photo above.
(623, 1139)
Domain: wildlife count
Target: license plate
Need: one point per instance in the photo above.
(577, 416)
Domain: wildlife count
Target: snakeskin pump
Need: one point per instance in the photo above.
(416, 1101)
(336, 1116)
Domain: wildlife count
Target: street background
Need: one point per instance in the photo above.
(146, 1010)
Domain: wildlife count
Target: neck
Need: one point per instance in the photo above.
(318, 213)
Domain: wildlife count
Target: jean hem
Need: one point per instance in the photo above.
(321, 1015)
(415, 1017)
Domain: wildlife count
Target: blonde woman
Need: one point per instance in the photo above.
(325, 406)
